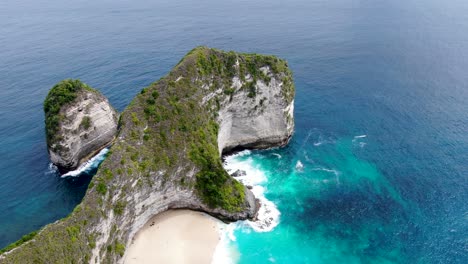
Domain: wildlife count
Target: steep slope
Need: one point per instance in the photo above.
(79, 122)
(167, 155)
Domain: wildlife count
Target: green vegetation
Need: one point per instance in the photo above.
(135, 119)
(22, 240)
(252, 90)
(213, 183)
(73, 232)
(61, 94)
(86, 122)
(101, 188)
(167, 139)
(119, 207)
(119, 249)
(166, 116)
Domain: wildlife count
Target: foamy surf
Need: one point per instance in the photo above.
(268, 216)
(357, 139)
(89, 165)
(327, 170)
(226, 252)
(299, 166)
(337, 174)
(277, 155)
(321, 140)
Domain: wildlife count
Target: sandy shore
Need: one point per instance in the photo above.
(179, 236)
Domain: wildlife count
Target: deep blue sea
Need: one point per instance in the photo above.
(377, 170)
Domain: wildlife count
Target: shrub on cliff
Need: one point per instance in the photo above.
(62, 93)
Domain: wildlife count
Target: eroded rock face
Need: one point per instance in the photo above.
(260, 121)
(86, 125)
(167, 154)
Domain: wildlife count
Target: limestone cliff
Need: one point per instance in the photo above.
(167, 154)
(79, 122)
(264, 120)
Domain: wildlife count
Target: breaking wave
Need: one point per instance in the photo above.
(268, 214)
(361, 136)
(357, 139)
(225, 252)
(335, 172)
(91, 164)
(327, 170)
(299, 166)
(277, 155)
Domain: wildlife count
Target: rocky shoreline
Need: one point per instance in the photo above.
(167, 154)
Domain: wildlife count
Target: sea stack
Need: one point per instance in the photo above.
(167, 154)
(79, 122)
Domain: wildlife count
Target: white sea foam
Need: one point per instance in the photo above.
(89, 165)
(357, 140)
(268, 214)
(358, 137)
(242, 153)
(327, 170)
(277, 155)
(225, 252)
(52, 169)
(337, 174)
(322, 141)
(299, 166)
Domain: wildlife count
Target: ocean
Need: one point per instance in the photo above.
(377, 169)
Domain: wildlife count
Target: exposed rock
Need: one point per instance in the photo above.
(238, 173)
(167, 154)
(79, 123)
(260, 122)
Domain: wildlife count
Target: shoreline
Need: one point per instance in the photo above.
(175, 236)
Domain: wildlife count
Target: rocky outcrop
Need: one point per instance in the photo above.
(239, 173)
(85, 123)
(167, 154)
(263, 121)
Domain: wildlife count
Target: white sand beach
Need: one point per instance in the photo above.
(175, 237)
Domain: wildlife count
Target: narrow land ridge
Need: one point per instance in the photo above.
(167, 155)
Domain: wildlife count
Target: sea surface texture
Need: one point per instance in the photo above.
(377, 170)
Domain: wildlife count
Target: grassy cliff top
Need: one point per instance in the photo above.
(63, 93)
(166, 145)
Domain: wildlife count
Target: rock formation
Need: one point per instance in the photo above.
(167, 154)
(239, 173)
(264, 120)
(79, 122)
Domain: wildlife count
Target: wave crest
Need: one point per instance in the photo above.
(89, 165)
(268, 214)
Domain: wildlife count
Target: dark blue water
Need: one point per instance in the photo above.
(395, 71)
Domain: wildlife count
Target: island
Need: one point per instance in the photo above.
(79, 122)
(166, 151)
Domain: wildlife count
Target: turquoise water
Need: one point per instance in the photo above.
(392, 70)
(334, 207)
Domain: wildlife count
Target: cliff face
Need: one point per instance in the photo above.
(264, 120)
(79, 122)
(167, 154)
